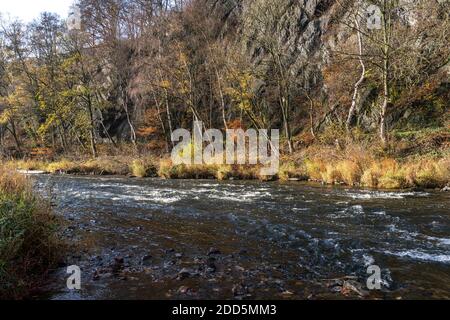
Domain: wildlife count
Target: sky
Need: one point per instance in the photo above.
(28, 10)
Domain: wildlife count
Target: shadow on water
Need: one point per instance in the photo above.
(182, 239)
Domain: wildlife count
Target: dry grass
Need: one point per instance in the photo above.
(292, 170)
(165, 167)
(169, 171)
(104, 166)
(224, 172)
(331, 175)
(350, 172)
(354, 165)
(357, 165)
(143, 168)
(63, 166)
(28, 165)
(315, 169)
(428, 173)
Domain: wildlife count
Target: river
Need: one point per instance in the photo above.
(183, 239)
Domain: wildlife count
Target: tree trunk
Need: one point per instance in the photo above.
(311, 115)
(161, 121)
(16, 138)
(386, 88)
(222, 100)
(352, 111)
(287, 129)
(133, 131)
(91, 130)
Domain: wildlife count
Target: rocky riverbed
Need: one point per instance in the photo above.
(181, 239)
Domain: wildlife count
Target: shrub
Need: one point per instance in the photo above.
(28, 243)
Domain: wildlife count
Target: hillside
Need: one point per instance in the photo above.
(333, 76)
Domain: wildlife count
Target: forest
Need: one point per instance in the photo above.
(356, 88)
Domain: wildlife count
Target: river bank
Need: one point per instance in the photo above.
(356, 169)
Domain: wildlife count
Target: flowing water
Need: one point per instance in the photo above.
(182, 239)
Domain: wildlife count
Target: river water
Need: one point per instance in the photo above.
(183, 239)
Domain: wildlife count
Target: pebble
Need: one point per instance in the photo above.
(239, 268)
(96, 276)
(243, 252)
(146, 260)
(183, 274)
(119, 260)
(239, 290)
(184, 290)
(214, 251)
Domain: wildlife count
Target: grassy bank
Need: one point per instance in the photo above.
(354, 165)
(28, 244)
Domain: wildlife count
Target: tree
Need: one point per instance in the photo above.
(261, 21)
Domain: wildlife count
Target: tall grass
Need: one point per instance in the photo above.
(28, 243)
(143, 168)
(352, 165)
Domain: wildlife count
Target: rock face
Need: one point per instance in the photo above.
(302, 31)
(305, 31)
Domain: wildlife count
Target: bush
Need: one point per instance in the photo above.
(28, 242)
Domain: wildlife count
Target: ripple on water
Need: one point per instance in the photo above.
(420, 255)
(367, 195)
